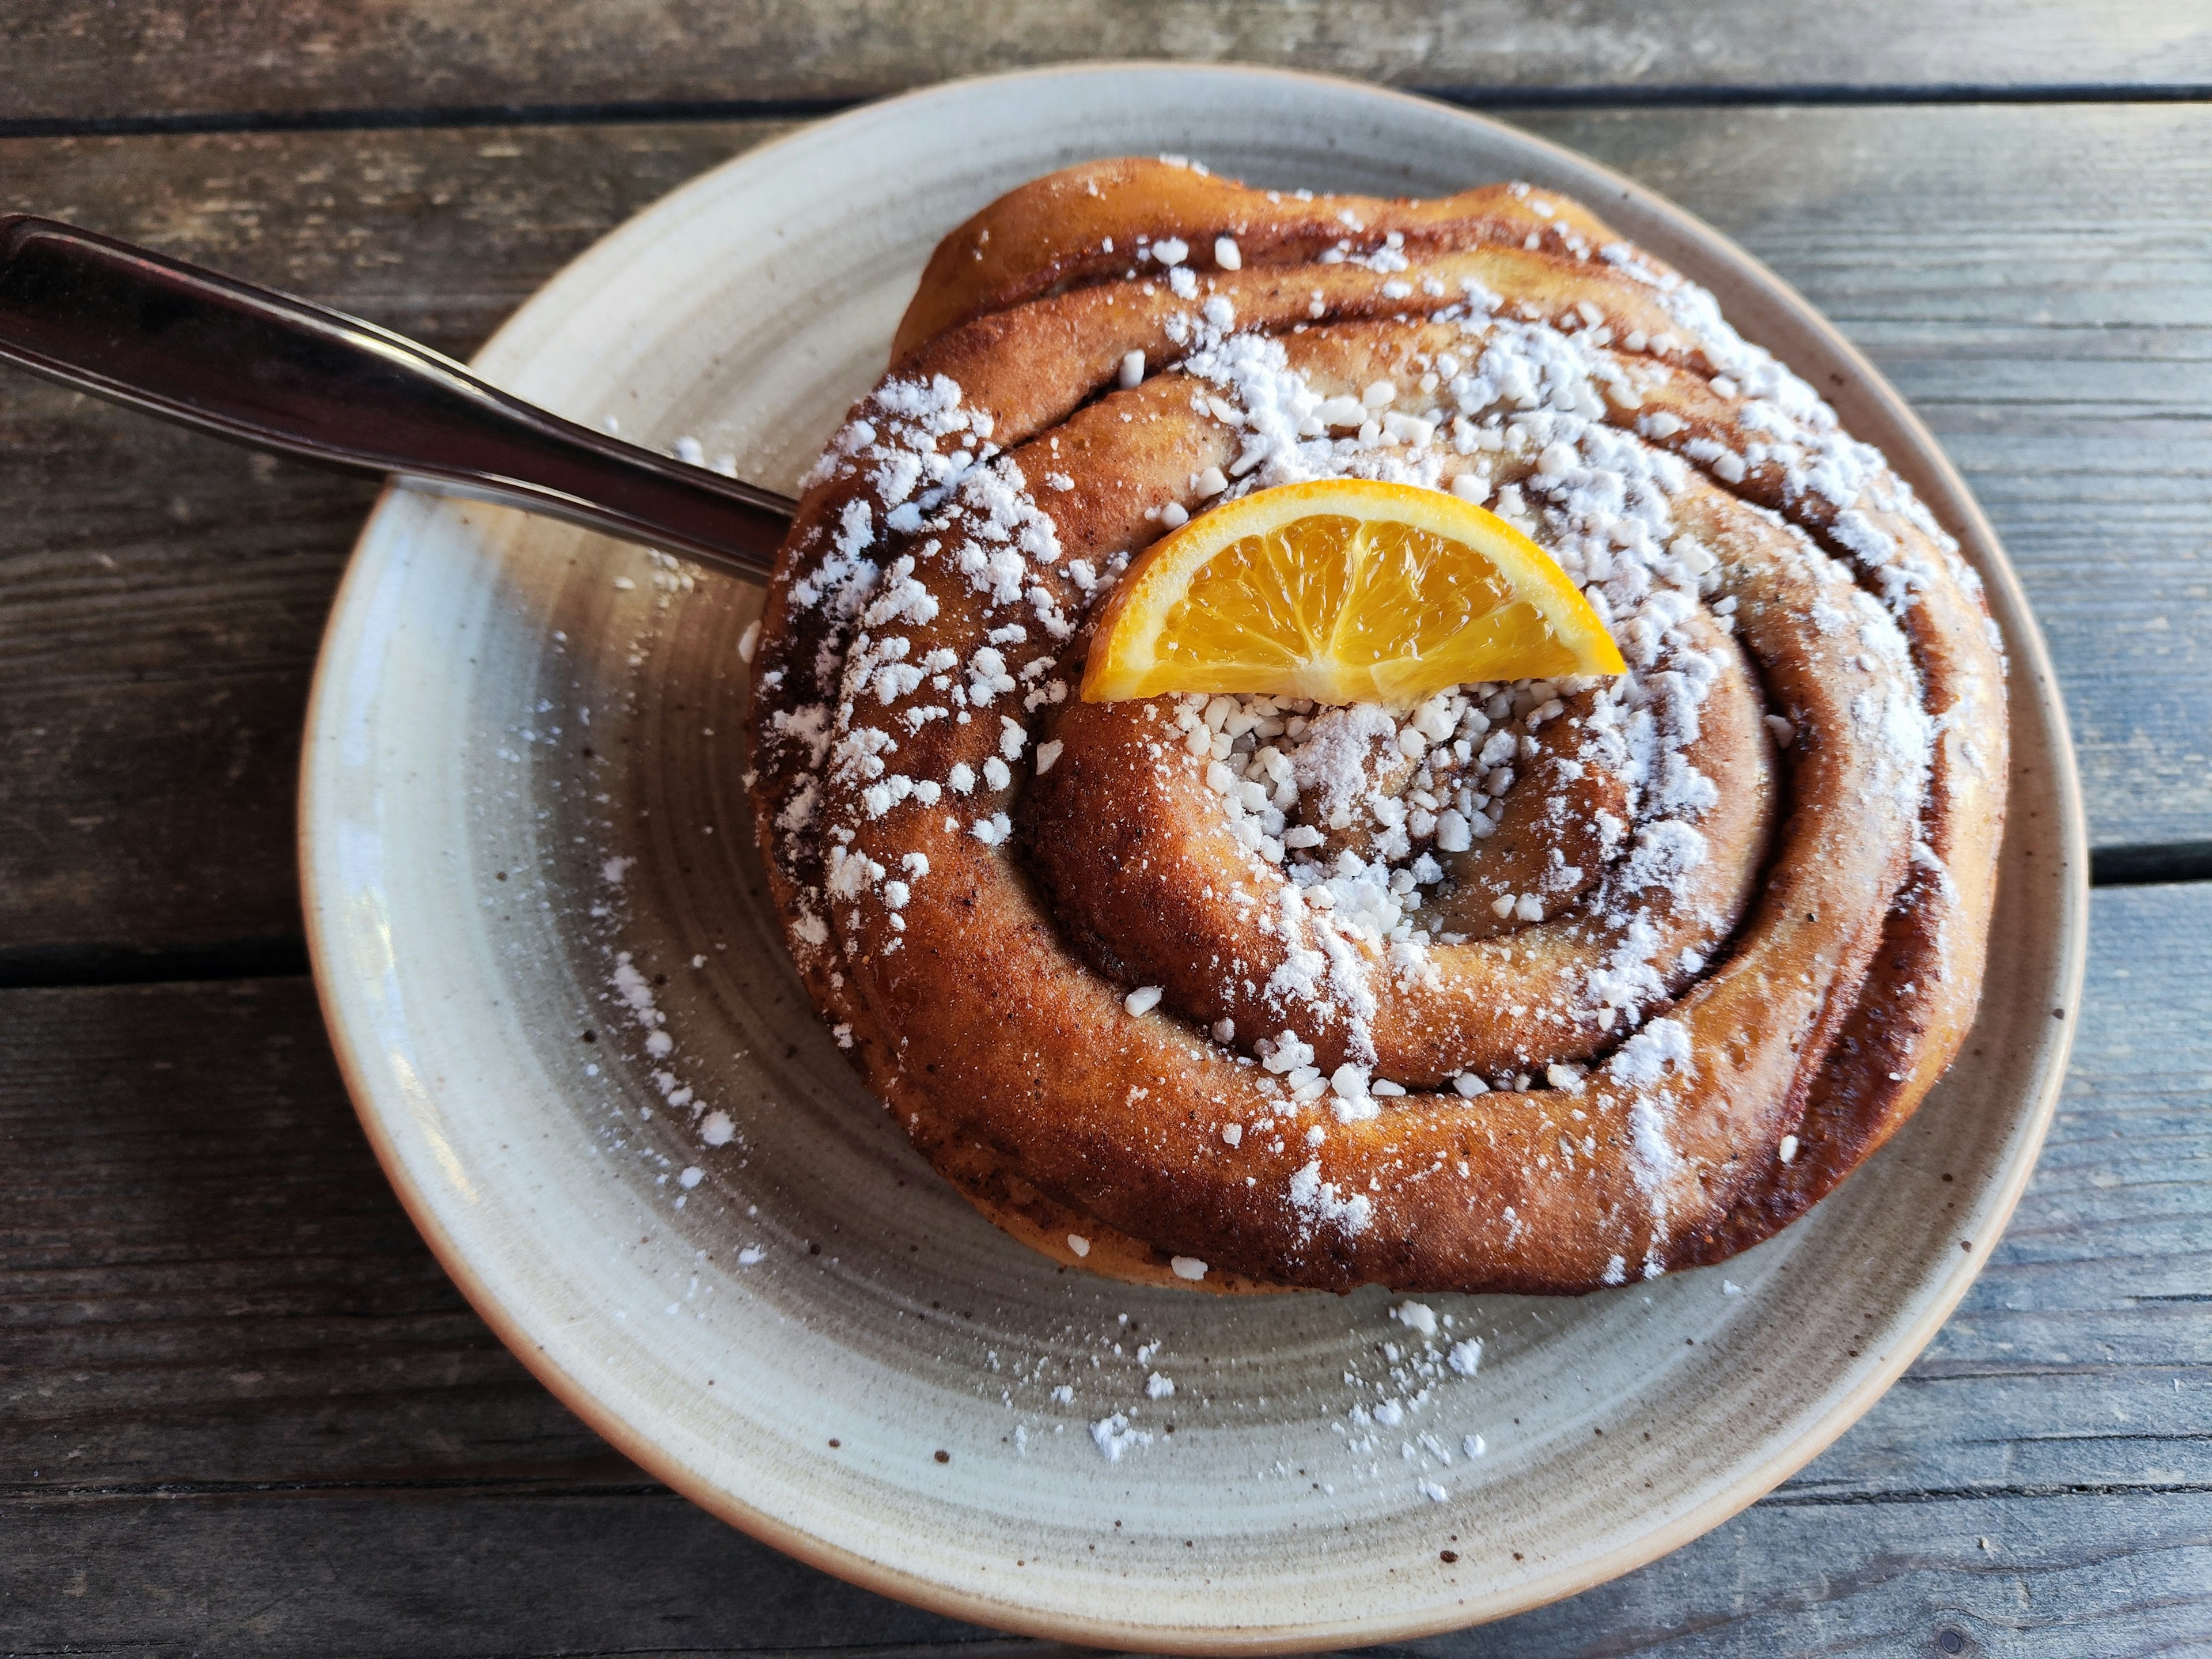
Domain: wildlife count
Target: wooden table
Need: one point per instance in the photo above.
(243, 1410)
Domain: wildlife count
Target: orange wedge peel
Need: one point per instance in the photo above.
(1343, 590)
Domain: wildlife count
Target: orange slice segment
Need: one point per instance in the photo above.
(1344, 590)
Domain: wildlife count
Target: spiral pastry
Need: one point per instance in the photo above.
(1534, 987)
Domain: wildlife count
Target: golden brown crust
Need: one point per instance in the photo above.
(1093, 223)
(1824, 990)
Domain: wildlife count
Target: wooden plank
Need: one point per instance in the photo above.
(165, 593)
(73, 59)
(239, 1403)
(462, 1575)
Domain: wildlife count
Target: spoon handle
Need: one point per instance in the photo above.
(264, 369)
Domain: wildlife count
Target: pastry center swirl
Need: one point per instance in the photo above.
(1359, 898)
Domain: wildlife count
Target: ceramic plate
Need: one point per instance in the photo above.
(565, 1011)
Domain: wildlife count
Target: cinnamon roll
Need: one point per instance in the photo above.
(1538, 986)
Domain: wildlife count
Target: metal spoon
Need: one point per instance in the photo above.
(267, 370)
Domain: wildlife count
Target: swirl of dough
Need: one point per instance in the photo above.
(1530, 988)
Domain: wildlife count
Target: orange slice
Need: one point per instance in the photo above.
(1344, 590)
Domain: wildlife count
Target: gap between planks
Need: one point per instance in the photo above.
(54, 967)
(644, 111)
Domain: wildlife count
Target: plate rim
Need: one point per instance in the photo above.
(2030, 672)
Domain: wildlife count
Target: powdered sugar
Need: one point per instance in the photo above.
(1319, 1203)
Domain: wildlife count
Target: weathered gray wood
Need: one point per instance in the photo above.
(461, 1574)
(436, 1575)
(241, 1410)
(78, 59)
(165, 593)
